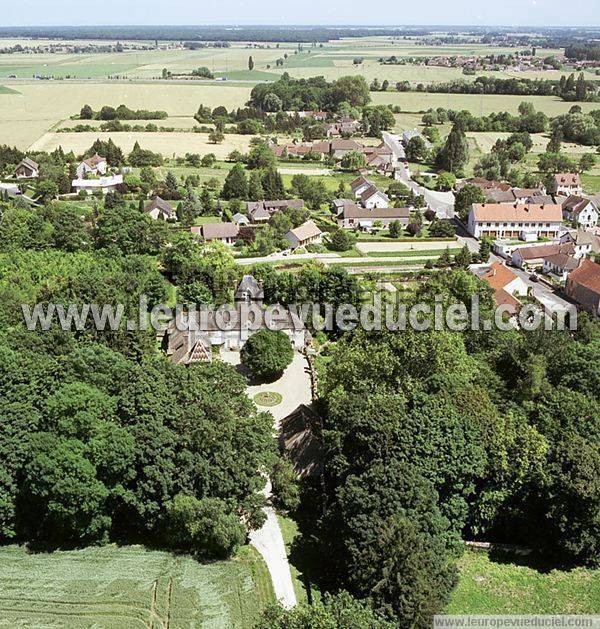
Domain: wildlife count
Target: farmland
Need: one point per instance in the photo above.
(168, 144)
(130, 586)
(40, 106)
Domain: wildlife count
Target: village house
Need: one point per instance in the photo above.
(568, 184)
(522, 195)
(580, 211)
(240, 219)
(27, 169)
(533, 257)
(261, 211)
(227, 233)
(584, 242)
(353, 216)
(184, 345)
(343, 127)
(359, 185)
(103, 184)
(513, 220)
(506, 284)
(95, 165)
(373, 197)
(159, 209)
(306, 234)
(583, 286)
(560, 265)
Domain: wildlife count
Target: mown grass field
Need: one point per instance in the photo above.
(168, 144)
(487, 587)
(130, 587)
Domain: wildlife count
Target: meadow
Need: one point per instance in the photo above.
(497, 587)
(130, 586)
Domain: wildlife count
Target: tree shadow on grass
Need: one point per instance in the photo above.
(526, 558)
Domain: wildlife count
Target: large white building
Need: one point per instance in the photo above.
(527, 221)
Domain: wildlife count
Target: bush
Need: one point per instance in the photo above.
(267, 353)
(341, 240)
(286, 491)
(205, 527)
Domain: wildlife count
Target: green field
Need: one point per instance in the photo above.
(130, 587)
(487, 587)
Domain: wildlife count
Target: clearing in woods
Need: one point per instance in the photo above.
(130, 586)
(503, 586)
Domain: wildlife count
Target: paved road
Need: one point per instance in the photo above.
(441, 202)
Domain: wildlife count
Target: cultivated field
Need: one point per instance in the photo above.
(165, 143)
(39, 106)
(130, 587)
(488, 587)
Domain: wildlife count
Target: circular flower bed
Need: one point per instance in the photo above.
(267, 398)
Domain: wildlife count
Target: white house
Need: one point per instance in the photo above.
(568, 183)
(227, 233)
(104, 184)
(584, 242)
(372, 197)
(353, 216)
(27, 169)
(95, 165)
(359, 185)
(240, 219)
(308, 233)
(560, 265)
(581, 211)
(533, 257)
(159, 209)
(513, 220)
(506, 284)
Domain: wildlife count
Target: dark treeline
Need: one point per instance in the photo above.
(568, 88)
(209, 33)
(583, 51)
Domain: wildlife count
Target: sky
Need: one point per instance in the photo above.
(287, 12)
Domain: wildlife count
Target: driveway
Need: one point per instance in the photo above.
(294, 387)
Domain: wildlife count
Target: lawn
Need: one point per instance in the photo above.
(488, 587)
(113, 587)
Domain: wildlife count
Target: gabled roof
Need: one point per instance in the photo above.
(513, 212)
(216, 231)
(498, 276)
(305, 231)
(94, 160)
(568, 179)
(359, 182)
(372, 191)
(563, 261)
(539, 252)
(26, 161)
(352, 210)
(575, 204)
(160, 204)
(587, 275)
